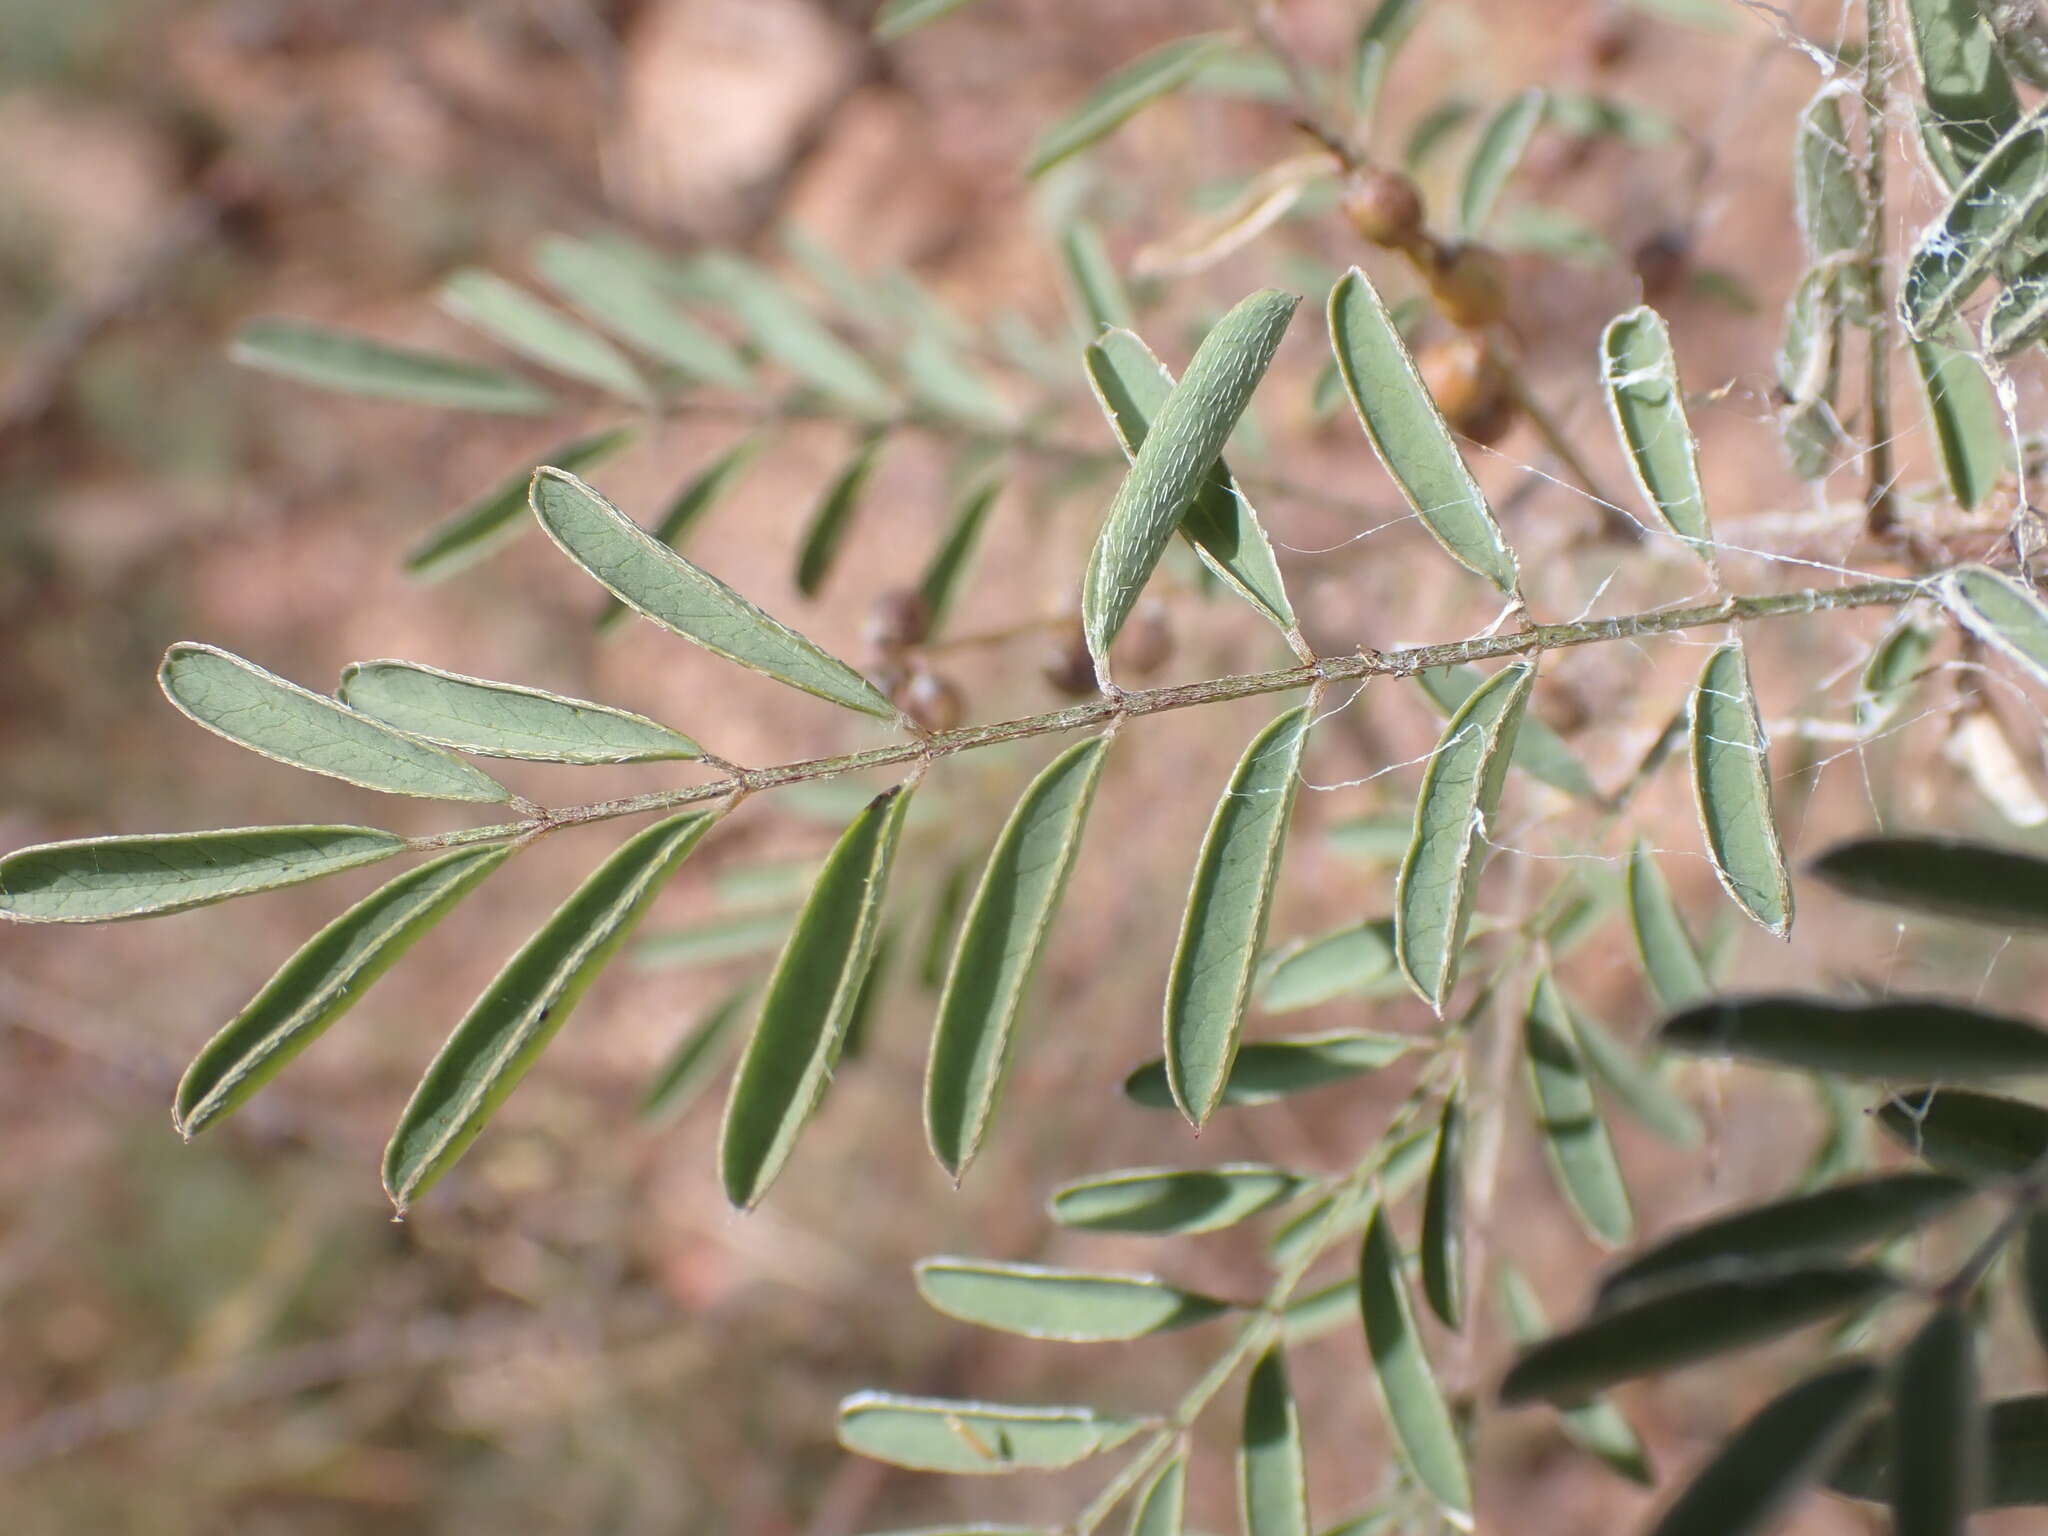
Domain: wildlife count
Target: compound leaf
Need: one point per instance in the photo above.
(536, 330)
(617, 293)
(361, 365)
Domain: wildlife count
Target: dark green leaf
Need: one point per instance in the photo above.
(1977, 1135)
(1414, 1404)
(1938, 1424)
(1443, 1219)
(1980, 228)
(2016, 1453)
(473, 714)
(1595, 1426)
(1229, 902)
(1895, 667)
(289, 724)
(360, 365)
(1648, 406)
(832, 517)
(1887, 1039)
(1969, 424)
(948, 563)
(2034, 1273)
(1685, 1323)
(1970, 99)
(526, 1003)
(810, 999)
(679, 1079)
(322, 980)
(1979, 882)
(2001, 611)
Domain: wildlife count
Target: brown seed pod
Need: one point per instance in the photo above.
(1384, 206)
(1469, 284)
(1609, 39)
(1068, 666)
(933, 701)
(1470, 385)
(898, 619)
(1661, 262)
(1146, 643)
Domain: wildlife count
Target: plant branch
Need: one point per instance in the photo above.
(1881, 517)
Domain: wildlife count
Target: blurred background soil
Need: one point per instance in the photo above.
(574, 1334)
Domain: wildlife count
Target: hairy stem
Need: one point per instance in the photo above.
(1881, 517)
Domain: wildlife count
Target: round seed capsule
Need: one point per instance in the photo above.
(1384, 206)
(1068, 666)
(1466, 378)
(933, 701)
(1661, 262)
(1146, 643)
(898, 619)
(1469, 284)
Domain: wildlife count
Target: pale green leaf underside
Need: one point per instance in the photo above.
(479, 528)
(617, 294)
(1894, 668)
(818, 550)
(1162, 1506)
(1980, 227)
(1096, 288)
(1131, 385)
(945, 1435)
(473, 714)
(713, 942)
(696, 1056)
(1539, 751)
(1672, 963)
(1173, 1200)
(361, 365)
(1121, 96)
(1071, 1305)
(2002, 612)
(1969, 94)
(899, 17)
(1596, 1426)
(1637, 1084)
(699, 494)
(320, 982)
(1461, 790)
(511, 316)
(1648, 407)
(1272, 1471)
(1176, 460)
(99, 879)
(1000, 943)
(1574, 1134)
(650, 577)
(1732, 784)
(1424, 1433)
(289, 724)
(949, 561)
(1309, 972)
(1969, 425)
(1499, 150)
(1229, 903)
(790, 333)
(1408, 433)
(810, 1000)
(526, 1004)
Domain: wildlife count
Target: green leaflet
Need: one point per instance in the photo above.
(1890, 1039)
(1175, 460)
(943, 379)
(1684, 1323)
(101, 879)
(1272, 1473)
(1970, 98)
(833, 515)
(898, 17)
(1316, 1313)
(1382, 836)
(697, 497)
(2000, 611)
(942, 930)
(1808, 364)
(1372, 55)
(679, 1079)
(1132, 386)
(1539, 751)
(2015, 1430)
(1732, 784)
(1977, 1135)
(1162, 1506)
(1415, 1408)
(1635, 1083)
(1229, 902)
(949, 561)
(322, 980)
(1648, 407)
(778, 883)
(1938, 1428)
(1895, 667)
(1094, 286)
(1265, 1070)
(508, 314)
(618, 294)
(1790, 1443)
(1001, 940)
(1589, 115)
(1822, 1224)
(1595, 1426)
(289, 724)
(1433, 129)
(2019, 316)
(1443, 1219)
(2034, 1273)
(1574, 1135)
(1121, 96)
(1981, 226)
(1309, 972)
(811, 996)
(479, 528)
(1461, 790)
(1174, 1201)
(1070, 1305)
(1401, 1164)
(1552, 232)
(1669, 959)
(1827, 186)
(789, 333)
(360, 365)
(1978, 882)
(714, 942)
(1408, 432)
(1498, 151)
(526, 1003)
(650, 577)
(1969, 424)
(473, 714)
(928, 1434)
